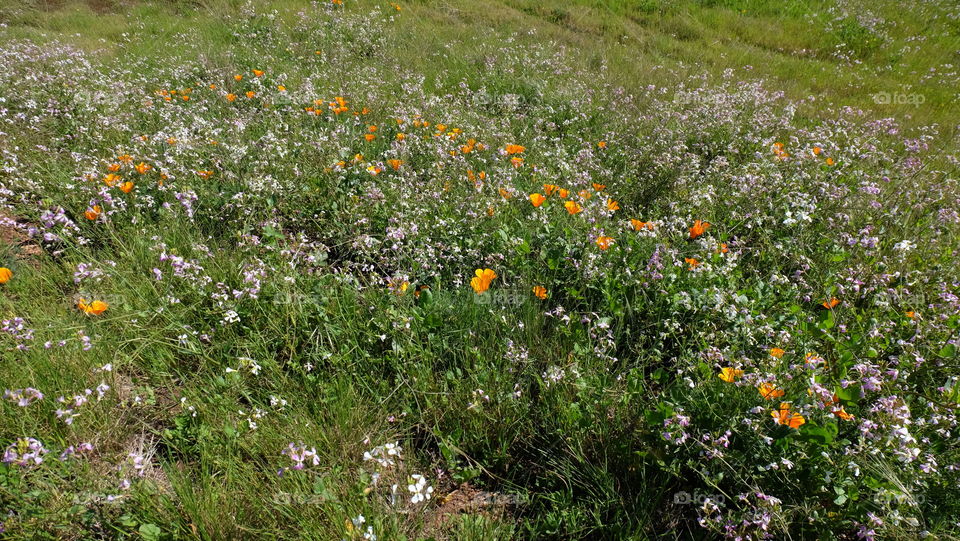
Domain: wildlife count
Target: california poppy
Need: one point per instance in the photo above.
(573, 207)
(258, 73)
(729, 374)
(395, 164)
(142, 168)
(540, 292)
(514, 149)
(549, 189)
(692, 261)
(5, 275)
(369, 137)
(126, 187)
(94, 308)
(602, 144)
(481, 282)
(769, 391)
(841, 413)
(251, 94)
(612, 205)
(537, 199)
(698, 228)
(238, 77)
(205, 174)
(831, 303)
(93, 212)
(776, 353)
(111, 179)
(604, 242)
(638, 225)
(786, 417)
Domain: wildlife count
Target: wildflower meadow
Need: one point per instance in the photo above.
(485, 269)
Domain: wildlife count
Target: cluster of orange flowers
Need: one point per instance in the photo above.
(783, 415)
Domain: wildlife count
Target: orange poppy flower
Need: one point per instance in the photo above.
(692, 261)
(514, 149)
(142, 168)
(911, 314)
(786, 417)
(830, 161)
(549, 189)
(258, 73)
(612, 205)
(481, 282)
(573, 207)
(126, 187)
(93, 212)
(231, 97)
(238, 77)
(599, 187)
(395, 164)
(602, 144)
(638, 225)
(113, 167)
(729, 374)
(540, 292)
(769, 391)
(537, 199)
(369, 137)
(251, 94)
(698, 228)
(516, 162)
(817, 151)
(841, 413)
(504, 193)
(777, 353)
(585, 194)
(111, 179)
(563, 193)
(831, 303)
(205, 174)
(722, 249)
(94, 308)
(401, 136)
(604, 242)
(5, 275)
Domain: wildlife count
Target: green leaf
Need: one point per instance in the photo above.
(152, 532)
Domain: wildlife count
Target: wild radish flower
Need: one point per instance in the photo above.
(300, 456)
(385, 455)
(23, 397)
(417, 485)
(25, 453)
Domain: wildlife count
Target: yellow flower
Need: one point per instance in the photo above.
(5, 275)
(730, 374)
(481, 282)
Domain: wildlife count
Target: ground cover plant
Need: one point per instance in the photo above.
(479, 270)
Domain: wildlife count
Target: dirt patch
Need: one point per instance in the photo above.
(14, 237)
(466, 499)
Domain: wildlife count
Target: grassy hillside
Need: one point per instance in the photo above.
(479, 269)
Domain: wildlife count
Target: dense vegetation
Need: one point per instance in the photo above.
(479, 270)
